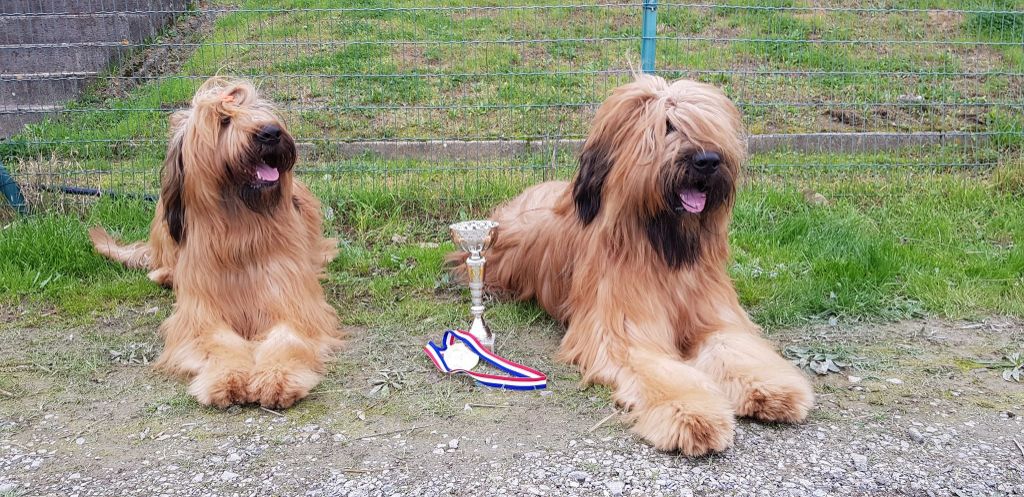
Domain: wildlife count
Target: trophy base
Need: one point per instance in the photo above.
(482, 332)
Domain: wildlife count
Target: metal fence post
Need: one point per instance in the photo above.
(649, 36)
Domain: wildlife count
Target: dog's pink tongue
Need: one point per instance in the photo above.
(267, 173)
(693, 200)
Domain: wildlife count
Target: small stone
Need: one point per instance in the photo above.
(860, 462)
(895, 381)
(234, 457)
(854, 379)
(453, 443)
(228, 476)
(578, 476)
(616, 487)
(75, 476)
(438, 451)
(399, 239)
(916, 435)
(198, 478)
(8, 487)
(79, 441)
(338, 437)
(685, 492)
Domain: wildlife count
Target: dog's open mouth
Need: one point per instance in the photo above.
(267, 174)
(693, 200)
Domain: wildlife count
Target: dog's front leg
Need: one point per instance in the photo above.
(288, 366)
(219, 360)
(672, 405)
(760, 383)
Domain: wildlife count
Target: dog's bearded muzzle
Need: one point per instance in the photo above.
(698, 183)
(273, 154)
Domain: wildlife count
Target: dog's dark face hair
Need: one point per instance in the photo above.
(229, 143)
(667, 157)
(271, 150)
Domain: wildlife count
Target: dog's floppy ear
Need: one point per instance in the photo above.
(171, 186)
(623, 129)
(595, 163)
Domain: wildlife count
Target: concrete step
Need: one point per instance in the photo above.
(21, 60)
(87, 28)
(18, 90)
(88, 6)
(12, 121)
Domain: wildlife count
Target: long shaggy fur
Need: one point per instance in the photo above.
(638, 275)
(239, 240)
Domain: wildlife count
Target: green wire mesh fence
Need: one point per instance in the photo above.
(442, 103)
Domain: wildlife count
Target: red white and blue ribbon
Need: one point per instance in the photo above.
(519, 377)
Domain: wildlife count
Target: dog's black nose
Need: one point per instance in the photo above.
(269, 134)
(706, 162)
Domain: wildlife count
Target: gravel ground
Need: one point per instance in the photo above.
(960, 455)
(921, 431)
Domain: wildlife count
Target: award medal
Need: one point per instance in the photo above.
(459, 352)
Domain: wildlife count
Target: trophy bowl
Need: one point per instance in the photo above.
(473, 236)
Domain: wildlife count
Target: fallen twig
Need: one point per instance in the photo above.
(6, 393)
(1019, 446)
(275, 413)
(414, 428)
(338, 390)
(357, 470)
(603, 421)
(496, 406)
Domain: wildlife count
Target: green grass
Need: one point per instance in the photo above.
(900, 237)
(46, 258)
(894, 242)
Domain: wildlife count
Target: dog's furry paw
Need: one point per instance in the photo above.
(280, 388)
(220, 387)
(161, 276)
(784, 403)
(688, 429)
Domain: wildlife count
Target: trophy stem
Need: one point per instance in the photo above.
(479, 328)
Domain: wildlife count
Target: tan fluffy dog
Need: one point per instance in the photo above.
(240, 241)
(632, 255)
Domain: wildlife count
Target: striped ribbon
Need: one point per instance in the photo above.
(519, 377)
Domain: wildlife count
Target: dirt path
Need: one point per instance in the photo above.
(78, 420)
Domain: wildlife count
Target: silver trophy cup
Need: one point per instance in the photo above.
(475, 237)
